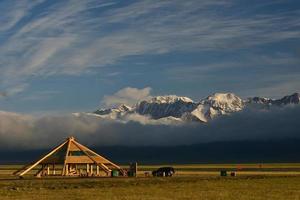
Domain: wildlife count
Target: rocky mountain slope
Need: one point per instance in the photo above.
(183, 109)
(289, 99)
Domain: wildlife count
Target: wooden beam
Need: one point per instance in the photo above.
(82, 147)
(63, 173)
(79, 160)
(79, 146)
(104, 167)
(39, 173)
(43, 158)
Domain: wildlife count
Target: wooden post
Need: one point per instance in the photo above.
(91, 169)
(87, 168)
(136, 168)
(97, 170)
(40, 172)
(67, 170)
(63, 171)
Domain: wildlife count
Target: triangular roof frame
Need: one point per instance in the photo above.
(87, 156)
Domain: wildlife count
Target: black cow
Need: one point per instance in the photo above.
(164, 171)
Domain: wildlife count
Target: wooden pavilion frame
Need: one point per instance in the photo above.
(72, 156)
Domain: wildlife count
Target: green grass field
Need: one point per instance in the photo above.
(268, 181)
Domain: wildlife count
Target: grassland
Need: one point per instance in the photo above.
(272, 181)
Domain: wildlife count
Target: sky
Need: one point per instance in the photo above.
(69, 56)
(58, 57)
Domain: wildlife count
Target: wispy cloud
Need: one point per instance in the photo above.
(14, 11)
(13, 90)
(272, 75)
(128, 95)
(276, 86)
(75, 37)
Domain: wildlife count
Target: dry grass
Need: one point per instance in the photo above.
(187, 185)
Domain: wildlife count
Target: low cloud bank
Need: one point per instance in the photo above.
(19, 131)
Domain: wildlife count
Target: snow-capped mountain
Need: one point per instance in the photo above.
(121, 109)
(289, 99)
(114, 113)
(183, 109)
(165, 106)
(213, 106)
(226, 102)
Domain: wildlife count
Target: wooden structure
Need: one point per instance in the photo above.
(74, 159)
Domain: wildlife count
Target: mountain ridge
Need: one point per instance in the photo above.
(179, 108)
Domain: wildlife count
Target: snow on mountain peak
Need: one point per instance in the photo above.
(176, 108)
(169, 99)
(120, 109)
(227, 102)
(124, 108)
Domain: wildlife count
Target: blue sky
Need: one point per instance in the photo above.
(66, 56)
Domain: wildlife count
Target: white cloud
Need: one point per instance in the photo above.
(12, 12)
(73, 37)
(13, 90)
(18, 131)
(128, 95)
(279, 85)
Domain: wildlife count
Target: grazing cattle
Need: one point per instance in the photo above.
(164, 171)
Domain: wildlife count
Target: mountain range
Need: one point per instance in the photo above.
(172, 108)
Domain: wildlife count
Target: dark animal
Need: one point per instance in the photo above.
(164, 171)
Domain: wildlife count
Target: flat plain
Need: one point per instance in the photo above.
(192, 181)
